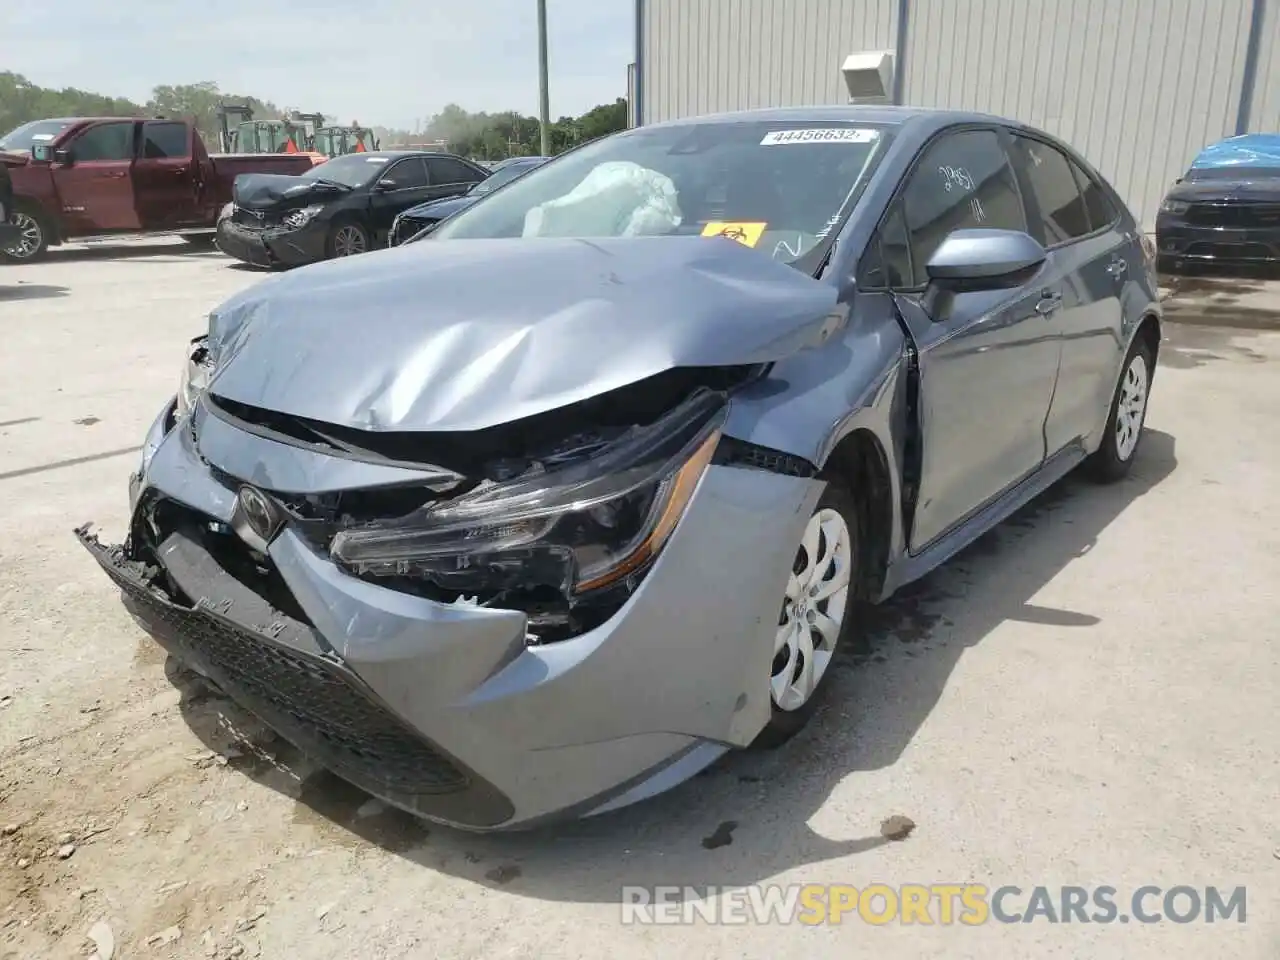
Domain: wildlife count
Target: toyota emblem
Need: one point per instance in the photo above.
(257, 519)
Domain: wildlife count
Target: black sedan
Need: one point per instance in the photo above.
(341, 207)
(417, 219)
(1226, 209)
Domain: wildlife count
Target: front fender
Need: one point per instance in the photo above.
(811, 401)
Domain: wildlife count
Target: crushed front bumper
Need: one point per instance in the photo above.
(444, 709)
(272, 246)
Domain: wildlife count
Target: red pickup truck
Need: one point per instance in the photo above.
(88, 178)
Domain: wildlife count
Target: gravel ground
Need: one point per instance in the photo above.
(1087, 696)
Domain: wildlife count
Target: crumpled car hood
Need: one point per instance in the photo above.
(277, 191)
(457, 335)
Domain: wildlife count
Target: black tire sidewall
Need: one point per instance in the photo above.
(1108, 465)
(784, 724)
(42, 222)
(341, 225)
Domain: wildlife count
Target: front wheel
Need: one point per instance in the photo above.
(347, 239)
(1114, 457)
(816, 616)
(33, 236)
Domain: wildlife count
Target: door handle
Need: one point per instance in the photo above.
(1118, 268)
(112, 175)
(1050, 300)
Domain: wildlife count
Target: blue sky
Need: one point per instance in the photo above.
(389, 62)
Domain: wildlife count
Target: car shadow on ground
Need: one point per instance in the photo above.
(745, 819)
(30, 291)
(179, 249)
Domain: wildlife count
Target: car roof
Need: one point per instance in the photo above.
(887, 115)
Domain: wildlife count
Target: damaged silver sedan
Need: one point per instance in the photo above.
(540, 513)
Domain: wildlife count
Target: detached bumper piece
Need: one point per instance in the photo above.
(273, 245)
(281, 670)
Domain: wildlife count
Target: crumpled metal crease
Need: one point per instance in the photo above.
(466, 334)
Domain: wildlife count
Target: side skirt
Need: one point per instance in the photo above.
(914, 566)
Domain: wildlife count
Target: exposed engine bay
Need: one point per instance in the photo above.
(558, 515)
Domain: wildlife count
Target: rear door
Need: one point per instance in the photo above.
(452, 176)
(164, 177)
(400, 186)
(1087, 259)
(94, 183)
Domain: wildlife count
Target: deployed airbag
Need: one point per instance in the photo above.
(620, 199)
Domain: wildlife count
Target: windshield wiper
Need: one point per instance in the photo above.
(331, 183)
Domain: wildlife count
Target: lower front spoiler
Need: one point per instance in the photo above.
(282, 671)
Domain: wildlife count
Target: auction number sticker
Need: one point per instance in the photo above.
(747, 234)
(777, 138)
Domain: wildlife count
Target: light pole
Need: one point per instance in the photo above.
(544, 98)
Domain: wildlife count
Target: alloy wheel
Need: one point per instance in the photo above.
(814, 610)
(348, 241)
(1131, 407)
(30, 237)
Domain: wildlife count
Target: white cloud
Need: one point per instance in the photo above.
(389, 62)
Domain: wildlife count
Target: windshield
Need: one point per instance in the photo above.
(782, 187)
(505, 175)
(353, 170)
(30, 134)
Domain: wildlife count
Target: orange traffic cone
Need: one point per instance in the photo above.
(360, 147)
(291, 147)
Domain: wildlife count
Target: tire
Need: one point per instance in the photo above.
(793, 700)
(347, 238)
(37, 235)
(1128, 415)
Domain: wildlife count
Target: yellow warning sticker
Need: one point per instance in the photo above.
(747, 234)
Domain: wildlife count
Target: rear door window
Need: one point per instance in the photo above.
(106, 141)
(1053, 185)
(161, 139)
(1101, 211)
(962, 181)
(449, 170)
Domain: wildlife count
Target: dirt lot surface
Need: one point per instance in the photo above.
(1090, 695)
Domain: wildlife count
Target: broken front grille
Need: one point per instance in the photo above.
(309, 700)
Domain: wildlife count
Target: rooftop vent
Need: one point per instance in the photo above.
(869, 76)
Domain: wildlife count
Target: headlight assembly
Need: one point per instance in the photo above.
(579, 528)
(1174, 206)
(196, 370)
(300, 218)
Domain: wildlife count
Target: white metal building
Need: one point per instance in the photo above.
(1138, 86)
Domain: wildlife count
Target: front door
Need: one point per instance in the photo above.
(94, 183)
(164, 177)
(402, 185)
(988, 360)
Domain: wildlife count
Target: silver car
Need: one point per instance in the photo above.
(538, 515)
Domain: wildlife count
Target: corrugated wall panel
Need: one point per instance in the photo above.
(1265, 115)
(1138, 86)
(708, 56)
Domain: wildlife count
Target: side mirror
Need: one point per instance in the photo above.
(386, 183)
(41, 153)
(982, 259)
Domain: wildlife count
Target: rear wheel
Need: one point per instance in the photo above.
(817, 614)
(34, 235)
(347, 239)
(1114, 457)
